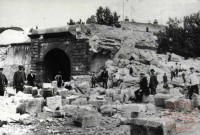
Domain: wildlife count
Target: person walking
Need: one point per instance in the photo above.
(3, 82)
(31, 78)
(143, 88)
(19, 79)
(153, 82)
(194, 82)
(104, 76)
(58, 78)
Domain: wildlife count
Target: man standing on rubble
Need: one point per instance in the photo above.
(3, 82)
(143, 88)
(31, 78)
(194, 82)
(104, 76)
(153, 82)
(19, 79)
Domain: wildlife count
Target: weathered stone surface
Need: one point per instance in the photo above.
(196, 101)
(70, 99)
(160, 98)
(54, 102)
(28, 89)
(180, 105)
(80, 101)
(63, 93)
(144, 126)
(125, 110)
(34, 106)
(97, 103)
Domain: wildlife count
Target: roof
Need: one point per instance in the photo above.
(11, 28)
(70, 28)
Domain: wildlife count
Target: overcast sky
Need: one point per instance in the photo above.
(52, 13)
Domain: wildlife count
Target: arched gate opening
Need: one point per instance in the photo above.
(56, 60)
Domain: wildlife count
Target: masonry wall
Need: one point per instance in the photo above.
(16, 54)
(77, 51)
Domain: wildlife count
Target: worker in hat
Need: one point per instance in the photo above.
(31, 78)
(59, 80)
(143, 88)
(19, 79)
(104, 76)
(194, 82)
(3, 82)
(153, 82)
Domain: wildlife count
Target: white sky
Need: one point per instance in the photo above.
(51, 13)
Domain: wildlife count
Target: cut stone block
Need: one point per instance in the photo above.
(46, 85)
(71, 98)
(63, 93)
(34, 92)
(65, 102)
(34, 106)
(180, 105)
(119, 97)
(160, 98)
(127, 109)
(146, 126)
(28, 89)
(97, 103)
(54, 102)
(79, 101)
(109, 92)
(196, 101)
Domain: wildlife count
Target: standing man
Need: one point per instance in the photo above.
(172, 72)
(165, 85)
(194, 82)
(143, 88)
(153, 82)
(58, 78)
(93, 80)
(176, 70)
(19, 79)
(3, 82)
(31, 78)
(104, 76)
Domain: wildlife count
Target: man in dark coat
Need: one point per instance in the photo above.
(104, 76)
(59, 80)
(143, 88)
(31, 78)
(3, 82)
(19, 79)
(153, 82)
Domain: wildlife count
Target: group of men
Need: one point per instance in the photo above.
(19, 80)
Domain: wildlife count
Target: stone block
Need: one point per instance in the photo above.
(28, 89)
(180, 105)
(108, 110)
(147, 126)
(65, 102)
(34, 106)
(34, 92)
(54, 102)
(79, 101)
(127, 109)
(160, 98)
(119, 97)
(63, 93)
(109, 92)
(196, 101)
(71, 98)
(97, 103)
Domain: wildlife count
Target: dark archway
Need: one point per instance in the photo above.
(54, 61)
